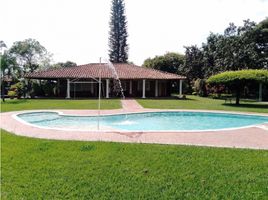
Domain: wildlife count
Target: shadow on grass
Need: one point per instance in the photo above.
(168, 98)
(251, 105)
(14, 101)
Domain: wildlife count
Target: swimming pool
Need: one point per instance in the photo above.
(147, 121)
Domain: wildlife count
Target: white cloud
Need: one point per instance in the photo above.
(77, 30)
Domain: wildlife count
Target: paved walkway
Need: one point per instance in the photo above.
(131, 105)
(253, 137)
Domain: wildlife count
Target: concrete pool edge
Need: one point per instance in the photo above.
(251, 137)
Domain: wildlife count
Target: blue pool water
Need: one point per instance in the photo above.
(158, 121)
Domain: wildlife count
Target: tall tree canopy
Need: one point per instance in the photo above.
(65, 64)
(261, 38)
(118, 47)
(30, 54)
(238, 48)
(170, 62)
(193, 66)
(2, 44)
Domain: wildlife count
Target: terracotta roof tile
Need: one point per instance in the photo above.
(125, 71)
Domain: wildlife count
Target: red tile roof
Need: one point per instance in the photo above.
(125, 71)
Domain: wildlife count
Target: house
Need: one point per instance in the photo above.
(136, 81)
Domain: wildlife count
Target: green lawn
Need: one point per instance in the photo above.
(49, 169)
(195, 102)
(46, 169)
(28, 104)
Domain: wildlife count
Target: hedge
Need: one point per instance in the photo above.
(260, 76)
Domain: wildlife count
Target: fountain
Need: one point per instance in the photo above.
(117, 86)
(117, 82)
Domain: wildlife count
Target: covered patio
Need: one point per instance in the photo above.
(87, 80)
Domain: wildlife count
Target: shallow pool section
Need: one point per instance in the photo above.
(150, 121)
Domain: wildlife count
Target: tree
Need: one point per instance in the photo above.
(240, 47)
(237, 80)
(30, 54)
(194, 63)
(170, 62)
(8, 66)
(118, 51)
(2, 44)
(260, 35)
(210, 54)
(65, 64)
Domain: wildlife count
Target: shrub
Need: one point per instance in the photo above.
(11, 94)
(18, 89)
(37, 90)
(200, 87)
(49, 88)
(237, 80)
(230, 77)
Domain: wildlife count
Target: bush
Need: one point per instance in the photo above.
(18, 89)
(231, 77)
(236, 81)
(49, 88)
(37, 90)
(11, 94)
(200, 87)
(44, 88)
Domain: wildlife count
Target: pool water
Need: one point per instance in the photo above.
(150, 121)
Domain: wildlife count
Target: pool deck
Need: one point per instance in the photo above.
(255, 137)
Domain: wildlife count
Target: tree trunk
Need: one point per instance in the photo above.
(3, 91)
(237, 96)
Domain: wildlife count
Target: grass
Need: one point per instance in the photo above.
(47, 169)
(30, 104)
(201, 103)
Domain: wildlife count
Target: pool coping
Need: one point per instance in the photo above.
(254, 137)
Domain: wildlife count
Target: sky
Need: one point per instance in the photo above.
(77, 30)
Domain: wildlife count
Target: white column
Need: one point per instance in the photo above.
(68, 89)
(260, 91)
(143, 88)
(107, 88)
(130, 87)
(156, 88)
(180, 88)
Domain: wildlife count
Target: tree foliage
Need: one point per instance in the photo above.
(237, 80)
(238, 48)
(2, 44)
(193, 66)
(230, 77)
(170, 62)
(118, 47)
(8, 68)
(65, 64)
(8, 64)
(30, 54)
